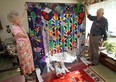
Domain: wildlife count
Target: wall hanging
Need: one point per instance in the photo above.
(55, 28)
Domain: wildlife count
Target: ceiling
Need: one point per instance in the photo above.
(89, 2)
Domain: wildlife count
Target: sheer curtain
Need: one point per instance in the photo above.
(109, 13)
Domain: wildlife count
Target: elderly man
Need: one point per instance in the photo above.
(98, 34)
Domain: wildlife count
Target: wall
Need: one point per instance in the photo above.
(5, 7)
(8, 5)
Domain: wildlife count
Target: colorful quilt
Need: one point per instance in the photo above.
(55, 28)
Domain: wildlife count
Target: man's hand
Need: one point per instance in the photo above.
(86, 10)
(101, 43)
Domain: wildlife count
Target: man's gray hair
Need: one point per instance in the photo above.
(100, 10)
(11, 15)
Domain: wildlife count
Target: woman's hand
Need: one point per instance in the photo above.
(25, 6)
(24, 14)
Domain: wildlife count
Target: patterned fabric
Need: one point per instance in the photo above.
(65, 24)
(65, 32)
(24, 50)
(83, 75)
(93, 75)
(36, 36)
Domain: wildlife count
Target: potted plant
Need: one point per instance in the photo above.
(110, 47)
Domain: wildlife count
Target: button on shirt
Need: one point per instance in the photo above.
(99, 27)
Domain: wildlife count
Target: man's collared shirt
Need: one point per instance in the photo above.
(99, 27)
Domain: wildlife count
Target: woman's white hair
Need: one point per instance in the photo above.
(11, 15)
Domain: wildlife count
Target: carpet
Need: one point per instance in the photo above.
(84, 75)
(79, 72)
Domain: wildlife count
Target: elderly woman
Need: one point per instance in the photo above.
(23, 43)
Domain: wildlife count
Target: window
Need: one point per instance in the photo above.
(109, 13)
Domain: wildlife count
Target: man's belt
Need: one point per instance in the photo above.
(95, 34)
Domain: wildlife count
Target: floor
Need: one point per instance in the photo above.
(9, 74)
(8, 67)
(103, 71)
